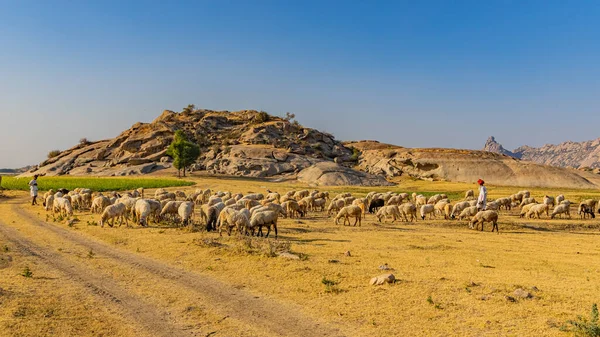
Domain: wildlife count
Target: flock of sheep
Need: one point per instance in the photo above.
(249, 213)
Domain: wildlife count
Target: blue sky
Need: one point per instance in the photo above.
(412, 73)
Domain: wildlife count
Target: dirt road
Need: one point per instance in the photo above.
(121, 279)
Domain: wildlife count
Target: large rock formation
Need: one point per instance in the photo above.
(246, 143)
(332, 174)
(463, 166)
(567, 154)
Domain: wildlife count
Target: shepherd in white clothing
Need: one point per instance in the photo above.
(33, 188)
(482, 198)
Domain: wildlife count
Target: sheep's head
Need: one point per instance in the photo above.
(422, 217)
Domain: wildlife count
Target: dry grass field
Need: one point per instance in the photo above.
(162, 280)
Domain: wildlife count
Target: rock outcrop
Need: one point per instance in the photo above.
(463, 166)
(568, 154)
(332, 174)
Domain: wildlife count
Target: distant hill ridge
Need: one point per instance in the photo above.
(567, 154)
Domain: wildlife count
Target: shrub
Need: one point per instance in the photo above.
(84, 141)
(587, 327)
(261, 117)
(27, 272)
(53, 153)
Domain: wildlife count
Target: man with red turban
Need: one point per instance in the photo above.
(482, 198)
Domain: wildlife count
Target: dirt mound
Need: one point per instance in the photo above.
(332, 174)
(463, 166)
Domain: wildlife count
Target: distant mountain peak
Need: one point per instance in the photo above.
(566, 154)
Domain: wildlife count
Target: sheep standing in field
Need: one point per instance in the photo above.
(420, 200)
(319, 204)
(375, 205)
(49, 202)
(434, 199)
(468, 212)
(584, 209)
(348, 212)
(362, 203)
(469, 195)
(537, 209)
(439, 207)
(559, 198)
(292, 208)
(142, 210)
(267, 219)
(527, 201)
(99, 203)
(561, 209)
(504, 202)
(408, 209)
(63, 206)
(493, 205)
(458, 207)
(335, 206)
(394, 200)
(186, 212)
(591, 203)
(525, 209)
(111, 212)
(548, 200)
(427, 209)
(388, 211)
(230, 218)
(171, 208)
(485, 216)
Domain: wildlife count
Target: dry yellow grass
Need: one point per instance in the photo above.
(452, 280)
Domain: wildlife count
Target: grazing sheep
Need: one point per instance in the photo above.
(319, 204)
(385, 211)
(117, 210)
(561, 209)
(559, 199)
(494, 206)
(548, 200)
(255, 196)
(469, 194)
(439, 207)
(408, 209)
(526, 209)
(99, 203)
(527, 201)
(49, 202)
(537, 209)
(170, 208)
(349, 200)
(427, 209)
(292, 208)
(362, 203)
(504, 202)
(266, 218)
(186, 212)
(214, 200)
(335, 206)
(62, 205)
(420, 200)
(395, 200)
(180, 194)
(468, 212)
(142, 210)
(273, 196)
(458, 208)
(375, 205)
(212, 215)
(347, 212)
(584, 209)
(485, 216)
(434, 199)
(591, 203)
(230, 218)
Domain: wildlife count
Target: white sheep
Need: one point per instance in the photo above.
(434, 199)
(347, 212)
(468, 212)
(485, 216)
(469, 194)
(117, 210)
(63, 206)
(388, 211)
(561, 209)
(186, 212)
(49, 203)
(267, 218)
(335, 206)
(230, 218)
(427, 209)
(292, 208)
(171, 208)
(527, 201)
(525, 209)
(142, 210)
(99, 203)
(537, 209)
(559, 199)
(548, 200)
(320, 204)
(408, 209)
(457, 208)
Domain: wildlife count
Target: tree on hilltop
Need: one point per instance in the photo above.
(183, 151)
(189, 109)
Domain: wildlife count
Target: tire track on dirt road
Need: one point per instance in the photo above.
(278, 318)
(150, 319)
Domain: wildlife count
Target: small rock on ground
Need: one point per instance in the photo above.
(382, 279)
(520, 293)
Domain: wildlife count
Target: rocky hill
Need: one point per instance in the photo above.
(246, 143)
(567, 154)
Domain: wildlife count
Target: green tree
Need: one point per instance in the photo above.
(189, 109)
(183, 152)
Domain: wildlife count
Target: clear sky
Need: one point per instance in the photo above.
(412, 73)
